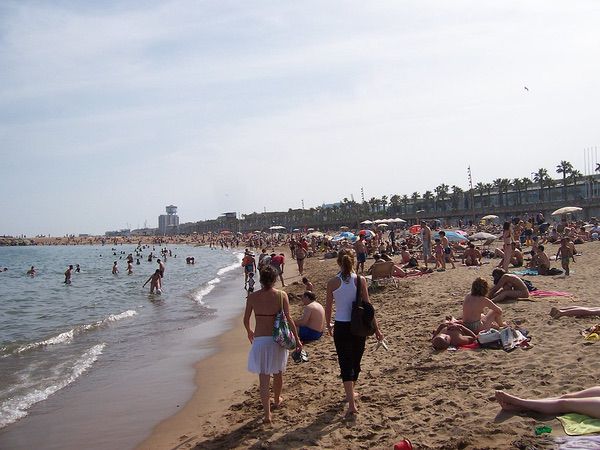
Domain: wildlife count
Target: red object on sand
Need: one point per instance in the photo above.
(404, 444)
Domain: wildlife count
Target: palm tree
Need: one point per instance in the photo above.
(518, 185)
(427, 198)
(394, 203)
(574, 177)
(565, 167)
(404, 201)
(505, 184)
(488, 190)
(525, 183)
(541, 176)
(498, 185)
(480, 188)
(383, 202)
(441, 193)
(373, 202)
(455, 196)
(550, 183)
(415, 196)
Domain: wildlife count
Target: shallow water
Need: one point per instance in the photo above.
(102, 326)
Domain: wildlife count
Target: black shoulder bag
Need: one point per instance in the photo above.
(362, 321)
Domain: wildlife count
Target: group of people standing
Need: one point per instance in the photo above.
(268, 359)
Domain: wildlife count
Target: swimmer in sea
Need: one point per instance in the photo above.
(31, 272)
(68, 273)
(77, 269)
(115, 269)
(155, 283)
(129, 267)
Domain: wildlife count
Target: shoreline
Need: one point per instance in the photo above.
(221, 380)
(217, 379)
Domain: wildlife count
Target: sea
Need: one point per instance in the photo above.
(99, 362)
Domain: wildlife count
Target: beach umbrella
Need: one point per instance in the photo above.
(347, 234)
(368, 234)
(490, 217)
(296, 229)
(452, 236)
(415, 229)
(464, 233)
(482, 236)
(383, 225)
(399, 220)
(277, 227)
(366, 222)
(566, 210)
(310, 229)
(315, 234)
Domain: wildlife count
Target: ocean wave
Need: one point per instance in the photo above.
(67, 336)
(205, 290)
(233, 266)
(16, 407)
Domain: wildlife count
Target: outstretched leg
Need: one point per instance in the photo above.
(589, 406)
(574, 311)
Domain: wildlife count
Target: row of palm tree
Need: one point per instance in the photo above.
(516, 191)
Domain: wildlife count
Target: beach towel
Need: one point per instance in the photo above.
(577, 442)
(578, 424)
(540, 293)
(532, 272)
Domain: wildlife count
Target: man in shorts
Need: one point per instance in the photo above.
(507, 286)
(361, 253)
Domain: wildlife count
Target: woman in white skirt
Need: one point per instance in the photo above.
(267, 357)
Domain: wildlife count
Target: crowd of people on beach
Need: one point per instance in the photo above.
(481, 313)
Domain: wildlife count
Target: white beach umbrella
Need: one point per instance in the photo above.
(277, 227)
(566, 210)
(490, 217)
(399, 220)
(315, 234)
(366, 222)
(382, 225)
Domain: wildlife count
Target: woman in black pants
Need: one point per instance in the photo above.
(341, 289)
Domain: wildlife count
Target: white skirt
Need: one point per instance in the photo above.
(266, 356)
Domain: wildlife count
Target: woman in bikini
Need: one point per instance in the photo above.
(267, 358)
(507, 240)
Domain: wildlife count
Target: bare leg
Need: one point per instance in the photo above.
(264, 381)
(589, 406)
(277, 388)
(491, 319)
(590, 392)
(507, 257)
(349, 389)
(510, 294)
(574, 311)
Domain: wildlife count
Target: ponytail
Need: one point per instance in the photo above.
(346, 262)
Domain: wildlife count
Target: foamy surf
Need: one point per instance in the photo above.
(16, 407)
(68, 336)
(205, 290)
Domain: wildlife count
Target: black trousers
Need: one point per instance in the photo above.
(349, 350)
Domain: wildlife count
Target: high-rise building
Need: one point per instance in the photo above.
(168, 223)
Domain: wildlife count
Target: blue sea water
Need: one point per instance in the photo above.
(53, 336)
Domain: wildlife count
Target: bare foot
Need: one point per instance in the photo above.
(507, 401)
(267, 420)
(554, 313)
(351, 413)
(278, 402)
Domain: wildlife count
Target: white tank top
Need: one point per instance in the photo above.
(344, 296)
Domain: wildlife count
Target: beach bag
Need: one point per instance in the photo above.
(362, 320)
(490, 336)
(530, 286)
(281, 329)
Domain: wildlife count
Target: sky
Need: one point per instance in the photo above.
(109, 111)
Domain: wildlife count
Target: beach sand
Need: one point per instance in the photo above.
(439, 400)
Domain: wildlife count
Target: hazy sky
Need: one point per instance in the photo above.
(111, 110)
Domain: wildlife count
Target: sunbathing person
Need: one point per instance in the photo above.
(516, 259)
(586, 402)
(471, 256)
(575, 311)
(474, 316)
(451, 333)
(507, 286)
(542, 262)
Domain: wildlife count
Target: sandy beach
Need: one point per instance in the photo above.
(439, 400)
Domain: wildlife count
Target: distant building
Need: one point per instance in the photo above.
(168, 223)
(144, 232)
